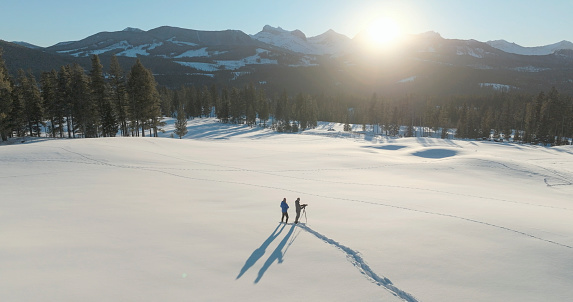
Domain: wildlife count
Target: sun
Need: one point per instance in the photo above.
(383, 31)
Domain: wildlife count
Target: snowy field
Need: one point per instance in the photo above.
(197, 219)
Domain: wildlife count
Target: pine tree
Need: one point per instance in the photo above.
(506, 119)
(64, 94)
(20, 119)
(462, 124)
(264, 108)
(190, 102)
(473, 124)
(99, 94)
(394, 126)
(58, 107)
(282, 112)
(84, 110)
(17, 118)
(487, 122)
(312, 113)
(214, 96)
(224, 107)
(143, 100)
(32, 102)
(299, 110)
(371, 113)
(197, 101)
(250, 101)
(549, 117)
(557, 114)
(118, 95)
(533, 119)
(206, 101)
(347, 126)
(235, 106)
(5, 100)
(567, 122)
(49, 82)
(181, 123)
(410, 131)
(171, 99)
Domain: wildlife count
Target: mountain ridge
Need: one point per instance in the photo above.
(511, 47)
(281, 59)
(504, 45)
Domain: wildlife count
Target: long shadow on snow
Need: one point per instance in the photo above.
(277, 254)
(386, 147)
(356, 260)
(224, 131)
(260, 251)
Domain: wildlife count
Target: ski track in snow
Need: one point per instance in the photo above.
(419, 189)
(546, 177)
(330, 197)
(100, 162)
(565, 181)
(356, 259)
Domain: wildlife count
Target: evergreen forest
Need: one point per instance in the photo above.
(72, 102)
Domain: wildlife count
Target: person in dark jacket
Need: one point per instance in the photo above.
(284, 207)
(298, 207)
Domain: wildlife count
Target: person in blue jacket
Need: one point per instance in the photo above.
(284, 207)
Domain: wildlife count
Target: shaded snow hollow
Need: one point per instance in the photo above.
(389, 219)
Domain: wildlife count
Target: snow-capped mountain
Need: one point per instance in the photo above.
(172, 42)
(530, 51)
(329, 42)
(163, 41)
(209, 53)
(291, 40)
(281, 59)
(332, 43)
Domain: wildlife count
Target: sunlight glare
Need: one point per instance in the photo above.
(383, 31)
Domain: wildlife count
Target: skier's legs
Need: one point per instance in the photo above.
(297, 216)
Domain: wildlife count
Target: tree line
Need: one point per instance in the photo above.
(73, 103)
(545, 118)
(248, 105)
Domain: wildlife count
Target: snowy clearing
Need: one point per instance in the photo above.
(197, 219)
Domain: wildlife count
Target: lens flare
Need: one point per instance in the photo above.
(383, 31)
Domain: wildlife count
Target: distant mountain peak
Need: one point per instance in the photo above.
(333, 41)
(280, 31)
(132, 29)
(329, 42)
(511, 47)
(431, 35)
(270, 29)
(330, 34)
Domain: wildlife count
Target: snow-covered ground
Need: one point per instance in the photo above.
(197, 219)
(230, 64)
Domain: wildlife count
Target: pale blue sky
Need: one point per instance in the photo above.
(525, 22)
